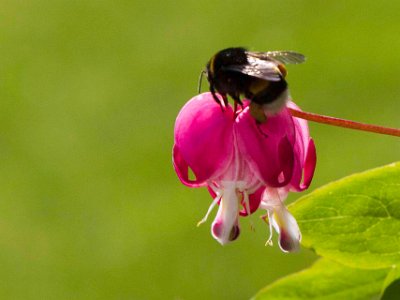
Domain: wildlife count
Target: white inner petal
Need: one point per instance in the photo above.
(281, 219)
(285, 224)
(228, 212)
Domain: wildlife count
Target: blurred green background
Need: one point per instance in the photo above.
(90, 207)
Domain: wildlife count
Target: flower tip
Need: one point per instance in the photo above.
(289, 232)
(222, 235)
(289, 243)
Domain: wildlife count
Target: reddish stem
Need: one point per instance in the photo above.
(344, 123)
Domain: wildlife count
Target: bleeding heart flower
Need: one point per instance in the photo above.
(244, 165)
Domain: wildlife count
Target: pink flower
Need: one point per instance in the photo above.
(244, 165)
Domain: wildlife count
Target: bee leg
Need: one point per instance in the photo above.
(236, 102)
(225, 100)
(212, 90)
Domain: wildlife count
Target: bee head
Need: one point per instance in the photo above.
(210, 68)
(226, 57)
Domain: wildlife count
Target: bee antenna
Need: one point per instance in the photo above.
(200, 80)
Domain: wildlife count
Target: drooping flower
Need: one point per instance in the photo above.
(244, 165)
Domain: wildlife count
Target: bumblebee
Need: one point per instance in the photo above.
(258, 76)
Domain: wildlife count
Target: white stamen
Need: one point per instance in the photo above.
(269, 241)
(210, 208)
(247, 204)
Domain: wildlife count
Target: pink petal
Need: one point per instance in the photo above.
(309, 166)
(267, 147)
(300, 124)
(305, 154)
(182, 169)
(203, 140)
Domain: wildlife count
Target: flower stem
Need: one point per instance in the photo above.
(344, 123)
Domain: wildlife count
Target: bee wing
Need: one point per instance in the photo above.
(259, 68)
(285, 57)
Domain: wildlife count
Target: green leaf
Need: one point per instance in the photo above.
(393, 275)
(391, 286)
(356, 220)
(392, 292)
(327, 280)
